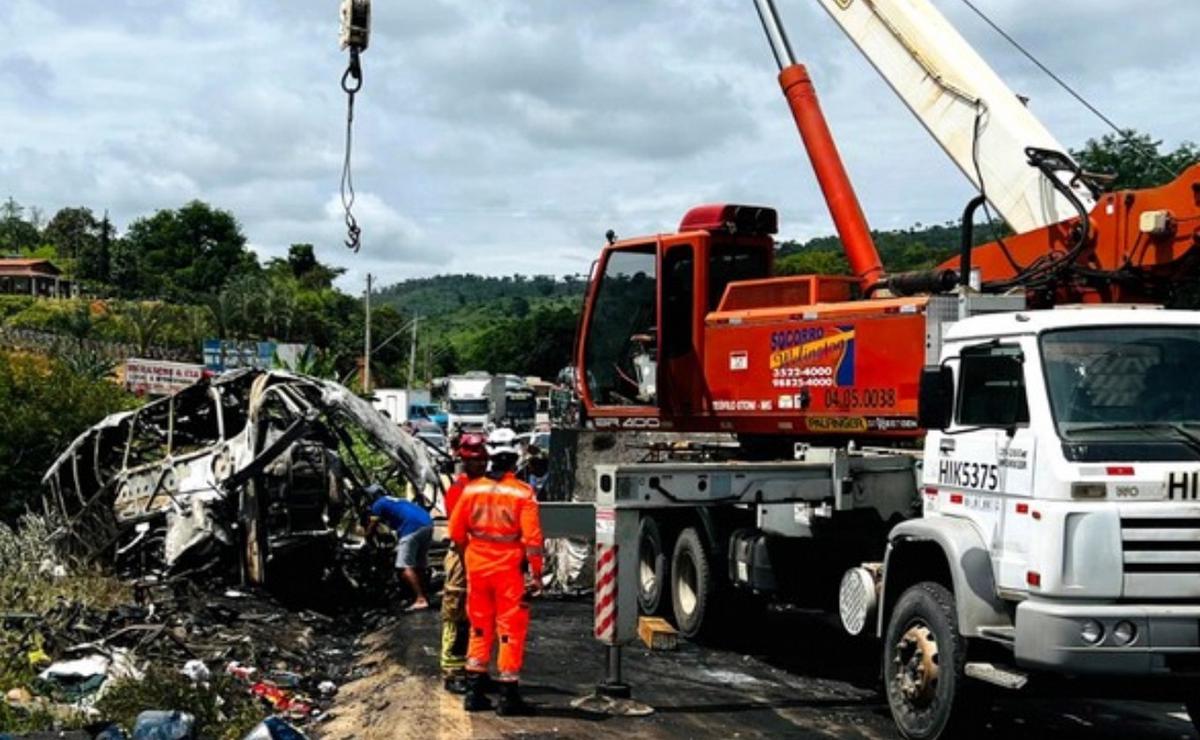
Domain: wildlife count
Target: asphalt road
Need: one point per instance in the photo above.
(789, 675)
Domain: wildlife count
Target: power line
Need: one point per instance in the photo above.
(1123, 133)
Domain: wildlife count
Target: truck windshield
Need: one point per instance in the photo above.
(469, 406)
(1138, 379)
(521, 409)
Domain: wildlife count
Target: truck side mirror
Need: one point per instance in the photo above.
(935, 400)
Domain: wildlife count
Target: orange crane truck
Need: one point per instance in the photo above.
(991, 466)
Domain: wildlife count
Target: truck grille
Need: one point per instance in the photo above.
(1161, 544)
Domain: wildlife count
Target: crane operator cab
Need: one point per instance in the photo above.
(641, 349)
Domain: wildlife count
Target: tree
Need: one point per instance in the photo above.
(94, 264)
(248, 294)
(189, 251)
(44, 404)
(11, 210)
(222, 311)
(1134, 158)
(303, 265)
(16, 234)
(73, 232)
(146, 320)
(812, 262)
(78, 323)
(125, 269)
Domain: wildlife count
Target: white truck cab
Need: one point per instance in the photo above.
(1060, 484)
(467, 400)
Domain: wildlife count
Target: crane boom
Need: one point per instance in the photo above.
(963, 103)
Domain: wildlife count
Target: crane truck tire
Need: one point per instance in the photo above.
(923, 661)
(653, 567)
(692, 583)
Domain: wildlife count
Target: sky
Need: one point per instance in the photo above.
(507, 136)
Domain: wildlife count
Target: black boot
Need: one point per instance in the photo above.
(455, 684)
(511, 704)
(475, 700)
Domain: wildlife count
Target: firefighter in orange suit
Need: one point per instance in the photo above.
(496, 520)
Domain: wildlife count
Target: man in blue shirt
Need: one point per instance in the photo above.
(414, 530)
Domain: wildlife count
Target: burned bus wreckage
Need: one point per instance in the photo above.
(250, 470)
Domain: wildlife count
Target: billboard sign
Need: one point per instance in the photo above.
(229, 354)
(159, 378)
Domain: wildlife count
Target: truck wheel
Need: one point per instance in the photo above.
(652, 567)
(923, 659)
(691, 583)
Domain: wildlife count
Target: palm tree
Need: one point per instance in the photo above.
(246, 296)
(280, 309)
(221, 310)
(195, 324)
(78, 323)
(146, 319)
(318, 363)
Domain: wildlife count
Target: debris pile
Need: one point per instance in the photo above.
(227, 511)
(287, 662)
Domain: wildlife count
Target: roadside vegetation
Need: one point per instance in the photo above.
(44, 404)
(33, 587)
(40, 596)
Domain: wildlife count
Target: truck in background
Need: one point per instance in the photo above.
(409, 404)
(512, 403)
(465, 398)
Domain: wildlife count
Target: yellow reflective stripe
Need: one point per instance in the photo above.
(488, 536)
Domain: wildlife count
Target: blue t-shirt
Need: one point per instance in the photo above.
(404, 517)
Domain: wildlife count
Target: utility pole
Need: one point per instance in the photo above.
(366, 378)
(412, 351)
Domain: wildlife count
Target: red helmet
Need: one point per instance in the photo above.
(473, 447)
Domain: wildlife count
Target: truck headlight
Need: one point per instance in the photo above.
(1092, 632)
(1125, 632)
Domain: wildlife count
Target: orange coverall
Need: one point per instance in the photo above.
(497, 522)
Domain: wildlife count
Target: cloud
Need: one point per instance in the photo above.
(507, 136)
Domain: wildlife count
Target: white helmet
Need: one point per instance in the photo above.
(503, 441)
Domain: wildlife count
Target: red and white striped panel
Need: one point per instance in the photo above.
(606, 592)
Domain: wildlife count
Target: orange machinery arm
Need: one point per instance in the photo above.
(822, 153)
(1138, 246)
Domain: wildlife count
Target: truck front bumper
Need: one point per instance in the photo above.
(1049, 636)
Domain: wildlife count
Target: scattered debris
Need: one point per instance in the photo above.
(163, 725)
(196, 671)
(274, 728)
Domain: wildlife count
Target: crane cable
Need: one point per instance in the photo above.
(355, 36)
(1125, 134)
(351, 84)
